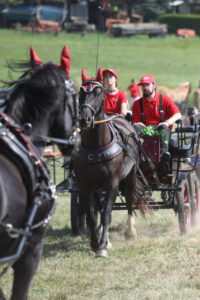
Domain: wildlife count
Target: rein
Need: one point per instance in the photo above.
(72, 140)
(106, 120)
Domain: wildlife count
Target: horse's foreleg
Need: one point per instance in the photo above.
(26, 266)
(91, 218)
(111, 195)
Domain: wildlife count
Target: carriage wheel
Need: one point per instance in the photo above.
(183, 207)
(194, 200)
(77, 215)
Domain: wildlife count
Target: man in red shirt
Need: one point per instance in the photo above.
(115, 101)
(156, 110)
(134, 92)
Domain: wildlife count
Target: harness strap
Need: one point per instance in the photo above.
(161, 108)
(161, 111)
(106, 152)
(142, 111)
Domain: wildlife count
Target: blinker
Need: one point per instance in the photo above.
(88, 88)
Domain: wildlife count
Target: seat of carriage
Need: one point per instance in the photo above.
(184, 150)
(184, 140)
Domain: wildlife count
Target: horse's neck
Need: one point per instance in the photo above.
(38, 132)
(96, 137)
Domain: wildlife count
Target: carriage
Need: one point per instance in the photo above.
(176, 179)
(112, 160)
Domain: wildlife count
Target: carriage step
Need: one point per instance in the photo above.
(152, 204)
(165, 188)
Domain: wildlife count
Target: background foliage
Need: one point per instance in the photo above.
(177, 21)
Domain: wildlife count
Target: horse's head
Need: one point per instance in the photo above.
(47, 100)
(90, 99)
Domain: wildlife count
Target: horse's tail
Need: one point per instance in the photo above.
(141, 198)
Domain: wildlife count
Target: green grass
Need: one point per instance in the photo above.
(171, 60)
(160, 264)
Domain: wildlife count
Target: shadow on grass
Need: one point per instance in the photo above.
(62, 240)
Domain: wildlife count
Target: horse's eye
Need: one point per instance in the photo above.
(81, 93)
(98, 91)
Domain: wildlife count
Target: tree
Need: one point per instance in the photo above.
(149, 9)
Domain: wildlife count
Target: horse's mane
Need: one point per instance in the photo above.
(29, 70)
(20, 66)
(36, 90)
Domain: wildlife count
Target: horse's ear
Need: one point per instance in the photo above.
(34, 57)
(65, 60)
(84, 75)
(99, 75)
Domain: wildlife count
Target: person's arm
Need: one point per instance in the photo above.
(124, 109)
(171, 120)
(124, 102)
(172, 111)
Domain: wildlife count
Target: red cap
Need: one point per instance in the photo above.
(111, 71)
(146, 79)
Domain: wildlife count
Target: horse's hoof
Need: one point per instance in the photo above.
(130, 236)
(102, 253)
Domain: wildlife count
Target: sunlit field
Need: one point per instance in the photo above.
(160, 264)
(171, 60)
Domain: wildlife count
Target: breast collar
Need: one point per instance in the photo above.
(103, 153)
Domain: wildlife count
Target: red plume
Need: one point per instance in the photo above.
(34, 57)
(65, 60)
(99, 75)
(84, 75)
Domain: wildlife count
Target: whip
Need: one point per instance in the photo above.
(100, 8)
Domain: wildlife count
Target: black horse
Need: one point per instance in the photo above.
(107, 158)
(40, 105)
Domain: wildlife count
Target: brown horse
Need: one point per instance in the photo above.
(179, 95)
(107, 158)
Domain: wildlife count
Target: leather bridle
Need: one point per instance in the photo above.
(88, 87)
